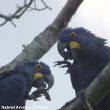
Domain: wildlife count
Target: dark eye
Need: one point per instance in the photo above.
(73, 35)
(38, 66)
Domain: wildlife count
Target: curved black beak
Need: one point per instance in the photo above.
(49, 79)
(64, 50)
(61, 48)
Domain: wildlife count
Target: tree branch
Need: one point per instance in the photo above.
(95, 92)
(21, 10)
(66, 13)
(45, 40)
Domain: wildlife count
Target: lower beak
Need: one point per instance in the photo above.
(39, 82)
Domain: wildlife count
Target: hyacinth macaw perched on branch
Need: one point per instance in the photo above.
(89, 54)
(15, 85)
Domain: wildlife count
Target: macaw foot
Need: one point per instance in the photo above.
(40, 92)
(63, 64)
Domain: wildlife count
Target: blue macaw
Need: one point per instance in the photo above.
(15, 85)
(89, 54)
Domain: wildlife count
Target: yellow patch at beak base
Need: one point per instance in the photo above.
(37, 76)
(75, 45)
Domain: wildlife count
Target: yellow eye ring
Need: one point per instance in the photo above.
(73, 35)
(38, 66)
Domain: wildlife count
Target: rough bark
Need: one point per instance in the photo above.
(45, 40)
(95, 92)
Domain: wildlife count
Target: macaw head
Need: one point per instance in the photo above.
(38, 73)
(75, 42)
(43, 75)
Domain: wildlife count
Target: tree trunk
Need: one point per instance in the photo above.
(45, 40)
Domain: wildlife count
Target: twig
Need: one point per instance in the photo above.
(39, 9)
(21, 10)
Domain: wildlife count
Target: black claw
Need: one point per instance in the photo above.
(47, 96)
(58, 63)
(62, 64)
(66, 73)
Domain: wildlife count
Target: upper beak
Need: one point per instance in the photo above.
(61, 48)
(49, 79)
